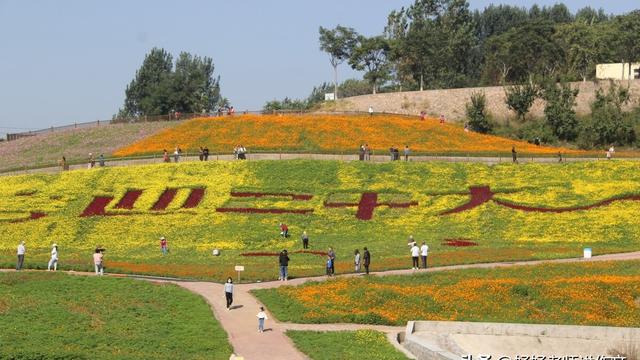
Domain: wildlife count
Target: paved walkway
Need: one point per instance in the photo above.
(341, 157)
(241, 323)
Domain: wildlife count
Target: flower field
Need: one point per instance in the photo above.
(329, 133)
(577, 294)
(467, 213)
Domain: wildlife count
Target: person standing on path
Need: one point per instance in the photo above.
(332, 256)
(176, 154)
(54, 258)
(424, 251)
(367, 260)
(97, 261)
(367, 152)
(262, 316)
(356, 260)
(514, 155)
(406, 152)
(305, 240)
(163, 246)
(165, 156)
(21, 251)
(228, 292)
(370, 110)
(101, 160)
(415, 256)
(284, 265)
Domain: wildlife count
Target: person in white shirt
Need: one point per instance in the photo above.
(356, 260)
(411, 242)
(424, 251)
(415, 255)
(21, 251)
(54, 258)
(262, 316)
(370, 110)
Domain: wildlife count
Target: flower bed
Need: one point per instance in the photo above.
(459, 242)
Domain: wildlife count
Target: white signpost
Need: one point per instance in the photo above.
(239, 268)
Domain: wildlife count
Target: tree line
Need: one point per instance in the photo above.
(443, 44)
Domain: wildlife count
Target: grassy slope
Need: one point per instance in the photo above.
(330, 133)
(501, 233)
(579, 294)
(361, 344)
(75, 144)
(58, 316)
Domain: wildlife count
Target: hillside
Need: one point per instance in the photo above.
(451, 102)
(327, 133)
(74, 144)
(465, 212)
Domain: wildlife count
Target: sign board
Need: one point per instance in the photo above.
(239, 268)
(329, 97)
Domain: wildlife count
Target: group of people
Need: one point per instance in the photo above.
(240, 152)
(418, 253)
(203, 154)
(177, 153)
(364, 153)
(228, 294)
(53, 260)
(92, 161)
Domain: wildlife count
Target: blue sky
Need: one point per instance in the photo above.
(70, 60)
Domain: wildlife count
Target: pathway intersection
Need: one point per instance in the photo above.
(240, 323)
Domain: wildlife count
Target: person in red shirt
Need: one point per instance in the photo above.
(163, 245)
(284, 230)
(441, 118)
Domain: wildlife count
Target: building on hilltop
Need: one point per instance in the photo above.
(619, 71)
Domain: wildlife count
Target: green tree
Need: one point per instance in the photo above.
(520, 98)
(559, 114)
(581, 46)
(338, 43)
(370, 55)
(608, 124)
(477, 116)
(158, 89)
(146, 94)
(627, 43)
(590, 16)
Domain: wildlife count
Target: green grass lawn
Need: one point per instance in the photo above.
(131, 237)
(59, 316)
(360, 344)
(595, 293)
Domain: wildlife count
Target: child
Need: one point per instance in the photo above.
(262, 316)
(329, 266)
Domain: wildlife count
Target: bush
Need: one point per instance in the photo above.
(558, 111)
(537, 129)
(477, 116)
(607, 123)
(520, 98)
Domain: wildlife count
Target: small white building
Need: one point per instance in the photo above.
(619, 71)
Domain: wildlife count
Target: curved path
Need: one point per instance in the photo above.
(241, 323)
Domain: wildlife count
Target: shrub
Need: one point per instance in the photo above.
(477, 115)
(520, 98)
(559, 114)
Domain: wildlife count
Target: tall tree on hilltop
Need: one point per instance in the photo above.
(370, 55)
(149, 83)
(338, 43)
(158, 89)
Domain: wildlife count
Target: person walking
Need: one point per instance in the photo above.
(361, 153)
(305, 240)
(406, 152)
(165, 156)
(201, 154)
(97, 261)
(370, 110)
(205, 153)
(367, 152)
(101, 160)
(367, 260)
(21, 251)
(415, 256)
(284, 265)
(92, 161)
(262, 316)
(332, 255)
(228, 292)
(54, 258)
(356, 260)
(329, 265)
(163, 246)
(424, 251)
(514, 155)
